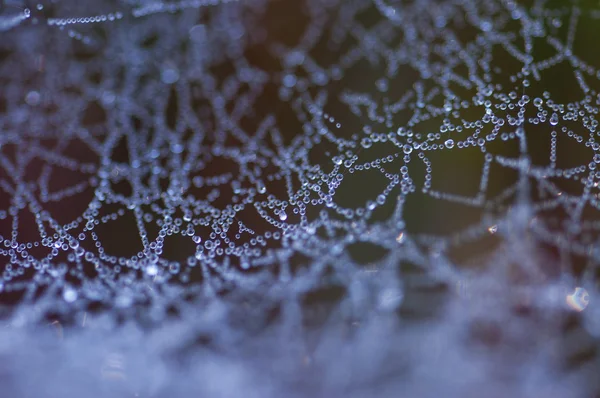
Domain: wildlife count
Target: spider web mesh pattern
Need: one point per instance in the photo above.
(299, 198)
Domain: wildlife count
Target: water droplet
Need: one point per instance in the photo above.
(282, 215)
(289, 80)
(169, 74)
(69, 294)
(578, 300)
(152, 270)
(32, 98)
(401, 238)
(261, 186)
(382, 84)
(366, 143)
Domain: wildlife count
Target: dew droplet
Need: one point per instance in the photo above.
(152, 270)
(169, 74)
(69, 294)
(578, 300)
(282, 215)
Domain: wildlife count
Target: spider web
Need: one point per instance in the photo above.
(199, 190)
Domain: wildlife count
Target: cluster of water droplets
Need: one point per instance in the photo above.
(215, 168)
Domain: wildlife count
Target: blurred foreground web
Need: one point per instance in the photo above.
(299, 198)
